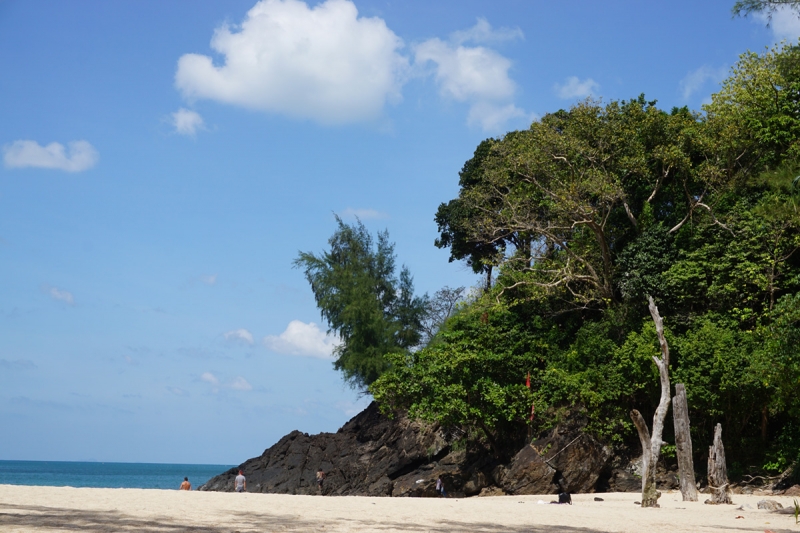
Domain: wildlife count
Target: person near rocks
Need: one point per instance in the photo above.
(240, 483)
(440, 487)
(320, 479)
(186, 485)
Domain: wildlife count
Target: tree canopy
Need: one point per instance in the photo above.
(373, 311)
(583, 215)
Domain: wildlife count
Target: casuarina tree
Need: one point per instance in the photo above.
(372, 310)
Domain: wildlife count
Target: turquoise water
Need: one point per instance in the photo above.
(106, 475)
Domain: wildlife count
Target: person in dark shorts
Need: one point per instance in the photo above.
(320, 479)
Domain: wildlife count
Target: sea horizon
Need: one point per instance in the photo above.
(106, 474)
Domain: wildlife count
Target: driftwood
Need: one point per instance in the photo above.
(718, 471)
(683, 444)
(651, 445)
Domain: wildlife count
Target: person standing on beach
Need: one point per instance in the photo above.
(240, 483)
(440, 487)
(320, 479)
(186, 485)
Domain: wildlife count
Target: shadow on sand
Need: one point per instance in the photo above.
(41, 518)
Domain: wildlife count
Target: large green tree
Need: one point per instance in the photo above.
(573, 189)
(591, 209)
(372, 310)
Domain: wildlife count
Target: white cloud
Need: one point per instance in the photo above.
(697, 79)
(575, 88)
(239, 335)
(482, 32)
(474, 74)
(209, 280)
(187, 122)
(465, 72)
(59, 294)
(784, 23)
(492, 117)
(300, 338)
(323, 63)
(208, 377)
(363, 214)
(240, 384)
(79, 156)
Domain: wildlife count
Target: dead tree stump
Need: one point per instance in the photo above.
(683, 444)
(718, 471)
(651, 444)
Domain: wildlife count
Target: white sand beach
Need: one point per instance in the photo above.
(24, 509)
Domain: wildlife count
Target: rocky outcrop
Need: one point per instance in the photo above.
(372, 455)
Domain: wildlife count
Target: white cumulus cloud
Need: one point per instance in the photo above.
(300, 338)
(239, 383)
(187, 122)
(573, 87)
(208, 377)
(239, 335)
(59, 294)
(476, 75)
(784, 23)
(323, 63)
(467, 72)
(76, 157)
(697, 79)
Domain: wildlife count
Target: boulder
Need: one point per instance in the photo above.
(566, 459)
(530, 474)
(794, 490)
(624, 480)
(769, 505)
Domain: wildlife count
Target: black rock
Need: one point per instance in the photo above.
(373, 455)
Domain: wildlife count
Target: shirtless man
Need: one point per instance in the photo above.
(240, 483)
(320, 479)
(186, 485)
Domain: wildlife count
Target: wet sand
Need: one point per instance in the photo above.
(26, 509)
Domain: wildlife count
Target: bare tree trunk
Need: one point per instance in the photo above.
(718, 471)
(683, 444)
(652, 450)
(649, 491)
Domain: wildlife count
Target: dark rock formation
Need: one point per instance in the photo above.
(372, 455)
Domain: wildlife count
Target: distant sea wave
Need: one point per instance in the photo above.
(106, 475)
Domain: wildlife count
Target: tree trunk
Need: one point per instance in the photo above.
(718, 471)
(651, 445)
(683, 444)
(649, 492)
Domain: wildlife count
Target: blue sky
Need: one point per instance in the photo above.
(164, 162)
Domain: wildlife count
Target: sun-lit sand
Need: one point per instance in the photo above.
(24, 509)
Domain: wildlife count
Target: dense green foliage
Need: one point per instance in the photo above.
(373, 312)
(585, 214)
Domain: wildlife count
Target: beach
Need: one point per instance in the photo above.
(27, 508)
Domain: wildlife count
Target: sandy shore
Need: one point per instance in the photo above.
(24, 509)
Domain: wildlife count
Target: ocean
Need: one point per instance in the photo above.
(106, 475)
